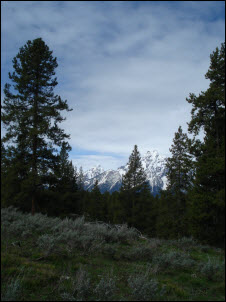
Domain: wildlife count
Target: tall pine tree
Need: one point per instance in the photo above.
(135, 176)
(133, 185)
(207, 199)
(180, 171)
(172, 206)
(31, 112)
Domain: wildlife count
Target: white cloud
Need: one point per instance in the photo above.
(125, 70)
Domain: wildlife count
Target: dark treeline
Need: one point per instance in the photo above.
(37, 177)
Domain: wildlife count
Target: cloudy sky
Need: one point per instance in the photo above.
(125, 68)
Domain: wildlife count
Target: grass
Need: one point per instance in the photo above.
(46, 259)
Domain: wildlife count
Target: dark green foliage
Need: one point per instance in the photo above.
(172, 220)
(194, 203)
(31, 114)
(144, 213)
(207, 198)
(115, 209)
(180, 170)
(135, 176)
(65, 172)
(135, 198)
(14, 182)
(96, 206)
(208, 108)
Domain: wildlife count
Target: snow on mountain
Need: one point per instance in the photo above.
(154, 166)
(110, 180)
(94, 172)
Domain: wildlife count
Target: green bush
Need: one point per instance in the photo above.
(173, 259)
(212, 268)
(139, 253)
(48, 243)
(143, 288)
(105, 289)
(12, 289)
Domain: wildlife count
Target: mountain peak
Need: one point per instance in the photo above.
(93, 172)
(152, 153)
(110, 180)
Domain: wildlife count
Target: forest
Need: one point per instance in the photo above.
(38, 177)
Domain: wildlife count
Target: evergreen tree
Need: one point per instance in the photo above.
(65, 171)
(135, 176)
(117, 214)
(180, 171)
(3, 161)
(143, 212)
(169, 222)
(9, 176)
(106, 207)
(31, 113)
(207, 199)
(208, 108)
(81, 179)
(96, 208)
(180, 174)
(133, 185)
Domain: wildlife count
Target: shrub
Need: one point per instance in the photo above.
(67, 297)
(173, 259)
(186, 243)
(67, 224)
(88, 244)
(109, 250)
(154, 243)
(41, 223)
(212, 268)
(142, 288)
(204, 248)
(102, 232)
(82, 285)
(11, 291)
(105, 289)
(124, 233)
(17, 223)
(84, 242)
(80, 288)
(111, 233)
(139, 253)
(48, 243)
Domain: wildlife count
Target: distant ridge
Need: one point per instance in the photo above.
(111, 180)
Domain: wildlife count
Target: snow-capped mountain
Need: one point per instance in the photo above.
(111, 180)
(94, 172)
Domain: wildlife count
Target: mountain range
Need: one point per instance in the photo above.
(111, 180)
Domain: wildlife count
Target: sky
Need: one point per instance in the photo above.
(125, 67)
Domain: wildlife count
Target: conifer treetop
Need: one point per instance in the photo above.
(135, 176)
